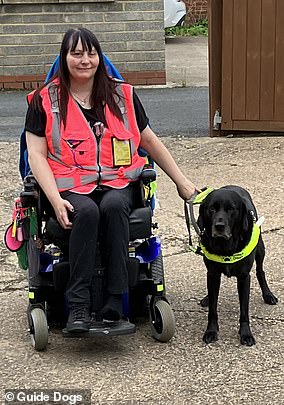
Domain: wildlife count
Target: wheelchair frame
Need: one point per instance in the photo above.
(146, 294)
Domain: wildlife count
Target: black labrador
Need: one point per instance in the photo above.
(226, 220)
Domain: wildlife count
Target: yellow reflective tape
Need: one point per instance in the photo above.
(131, 251)
(31, 295)
(153, 187)
(14, 228)
(236, 256)
(146, 192)
(201, 196)
(160, 287)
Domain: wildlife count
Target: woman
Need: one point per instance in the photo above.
(83, 131)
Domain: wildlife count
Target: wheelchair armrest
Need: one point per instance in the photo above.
(148, 175)
(140, 223)
(30, 195)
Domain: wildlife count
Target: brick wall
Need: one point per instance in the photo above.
(130, 31)
(196, 10)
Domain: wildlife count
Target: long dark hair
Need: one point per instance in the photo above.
(104, 88)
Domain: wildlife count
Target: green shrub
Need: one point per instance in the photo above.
(198, 28)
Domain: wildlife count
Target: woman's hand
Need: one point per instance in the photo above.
(186, 189)
(160, 154)
(61, 208)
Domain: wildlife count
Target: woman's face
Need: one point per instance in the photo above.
(82, 65)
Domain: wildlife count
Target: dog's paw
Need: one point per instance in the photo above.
(270, 299)
(210, 336)
(248, 340)
(204, 302)
(246, 336)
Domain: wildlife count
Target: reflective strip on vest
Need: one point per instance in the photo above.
(122, 106)
(132, 147)
(88, 178)
(65, 183)
(129, 174)
(133, 174)
(68, 182)
(89, 167)
(55, 159)
(53, 94)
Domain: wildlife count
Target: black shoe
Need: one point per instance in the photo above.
(79, 319)
(112, 310)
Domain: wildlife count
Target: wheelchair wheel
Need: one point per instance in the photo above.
(162, 321)
(38, 328)
(157, 268)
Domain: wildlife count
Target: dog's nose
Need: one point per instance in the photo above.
(221, 229)
(220, 226)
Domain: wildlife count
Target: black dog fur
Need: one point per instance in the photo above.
(226, 218)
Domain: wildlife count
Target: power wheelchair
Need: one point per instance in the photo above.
(48, 271)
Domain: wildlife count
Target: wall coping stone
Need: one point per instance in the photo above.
(52, 1)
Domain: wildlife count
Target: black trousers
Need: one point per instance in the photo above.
(99, 214)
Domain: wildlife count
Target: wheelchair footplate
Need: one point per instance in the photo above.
(104, 328)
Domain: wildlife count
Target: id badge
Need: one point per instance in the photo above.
(121, 152)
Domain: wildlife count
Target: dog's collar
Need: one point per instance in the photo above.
(240, 255)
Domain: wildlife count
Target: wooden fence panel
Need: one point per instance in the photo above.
(252, 65)
(267, 60)
(226, 83)
(239, 59)
(253, 92)
(279, 68)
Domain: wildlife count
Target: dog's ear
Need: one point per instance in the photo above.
(245, 225)
(246, 216)
(201, 217)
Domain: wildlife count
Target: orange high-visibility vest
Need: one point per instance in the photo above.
(81, 160)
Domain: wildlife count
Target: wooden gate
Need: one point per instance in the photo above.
(246, 65)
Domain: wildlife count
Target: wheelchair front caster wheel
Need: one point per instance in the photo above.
(38, 328)
(162, 321)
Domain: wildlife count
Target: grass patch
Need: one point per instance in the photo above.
(199, 28)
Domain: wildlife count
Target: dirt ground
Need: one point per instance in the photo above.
(136, 368)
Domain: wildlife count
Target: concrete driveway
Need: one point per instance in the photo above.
(137, 369)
